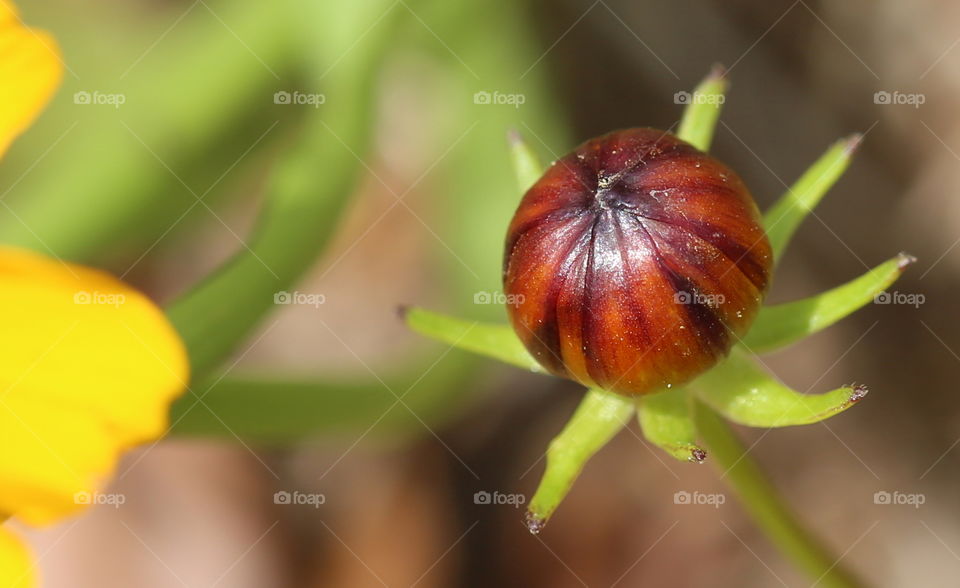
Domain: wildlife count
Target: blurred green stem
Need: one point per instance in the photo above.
(309, 189)
(468, 229)
(763, 504)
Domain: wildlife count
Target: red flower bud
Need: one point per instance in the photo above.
(635, 263)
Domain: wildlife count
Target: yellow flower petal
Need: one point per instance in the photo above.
(88, 367)
(16, 569)
(30, 71)
(61, 458)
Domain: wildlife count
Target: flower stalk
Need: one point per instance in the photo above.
(764, 505)
(689, 422)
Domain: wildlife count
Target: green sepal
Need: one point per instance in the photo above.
(491, 340)
(780, 325)
(783, 218)
(703, 110)
(600, 416)
(526, 164)
(745, 393)
(666, 419)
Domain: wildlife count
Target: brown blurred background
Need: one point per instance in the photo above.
(201, 513)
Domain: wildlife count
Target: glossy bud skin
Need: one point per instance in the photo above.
(635, 263)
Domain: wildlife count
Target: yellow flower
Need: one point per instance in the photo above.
(16, 570)
(88, 368)
(88, 365)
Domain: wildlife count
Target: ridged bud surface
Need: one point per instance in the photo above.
(635, 263)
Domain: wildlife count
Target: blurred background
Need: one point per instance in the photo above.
(331, 162)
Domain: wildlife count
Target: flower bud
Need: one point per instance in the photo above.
(635, 263)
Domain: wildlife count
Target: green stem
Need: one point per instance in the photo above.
(764, 505)
(309, 190)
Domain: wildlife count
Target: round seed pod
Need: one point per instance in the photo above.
(635, 263)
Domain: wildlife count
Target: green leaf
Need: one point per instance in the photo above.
(703, 110)
(526, 163)
(780, 325)
(309, 189)
(496, 341)
(783, 218)
(744, 393)
(600, 416)
(666, 420)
